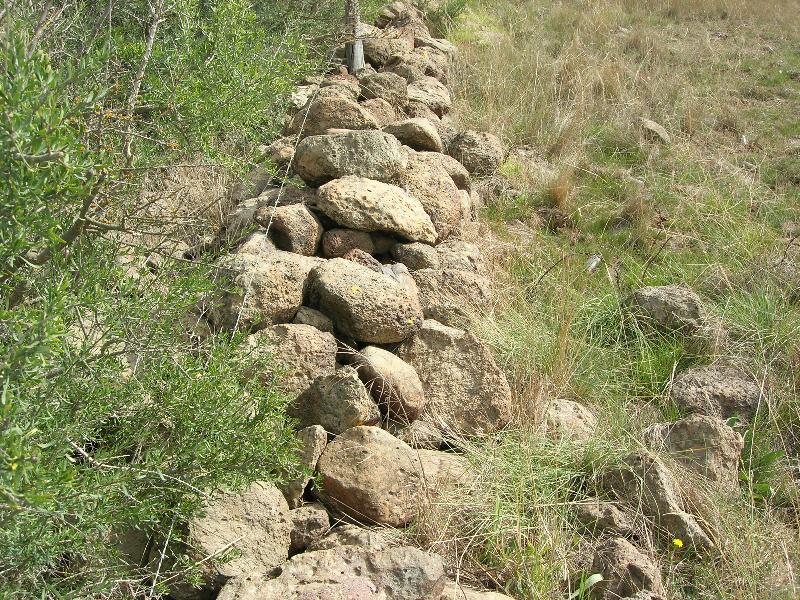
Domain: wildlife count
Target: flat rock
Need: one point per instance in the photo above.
(417, 133)
(368, 205)
(348, 573)
(704, 444)
(465, 389)
(723, 392)
(347, 534)
(454, 591)
(337, 402)
(372, 477)
(393, 383)
(367, 306)
(371, 154)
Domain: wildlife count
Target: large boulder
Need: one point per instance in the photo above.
(625, 570)
(480, 153)
(262, 290)
(452, 296)
(432, 93)
(367, 306)
(670, 307)
(723, 392)
(389, 86)
(337, 402)
(371, 154)
(370, 476)
(432, 185)
(332, 112)
(368, 205)
(417, 133)
(254, 524)
(347, 573)
(292, 228)
(645, 482)
(393, 383)
(312, 440)
(295, 355)
(465, 389)
(706, 445)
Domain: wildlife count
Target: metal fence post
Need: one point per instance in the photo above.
(355, 47)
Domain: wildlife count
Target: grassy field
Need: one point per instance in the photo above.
(717, 207)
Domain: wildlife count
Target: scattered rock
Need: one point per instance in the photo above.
(451, 296)
(310, 523)
(382, 110)
(419, 435)
(300, 353)
(367, 306)
(389, 86)
(418, 133)
(670, 307)
(312, 443)
(353, 535)
(310, 316)
(480, 153)
(370, 476)
(393, 383)
(293, 228)
(338, 242)
(655, 131)
(255, 523)
(465, 389)
(723, 392)
(704, 444)
(367, 205)
(432, 93)
(400, 573)
(570, 420)
(644, 482)
(337, 402)
(603, 517)
(331, 112)
(432, 185)
(416, 255)
(371, 154)
(625, 570)
(266, 289)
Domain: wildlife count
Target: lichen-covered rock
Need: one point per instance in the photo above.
(367, 306)
(393, 383)
(371, 154)
(368, 205)
(432, 93)
(347, 572)
(670, 307)
(723, 392)
(432, 185)
(625, 570)
(255, 523)
(465, 389)
(292, 228)
(266, 289)
(567, 419)
(312, 440)
(300, 353)
(389, 86)
(370, 476)
(331, 112)
(417, 133)
(480, 153)
(644, 482)
(337, 402)
(706, 445)
(451, 296)
(310, 523)
(416, 255)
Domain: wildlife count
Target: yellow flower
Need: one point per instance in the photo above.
(355, 290)
(677, 542)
